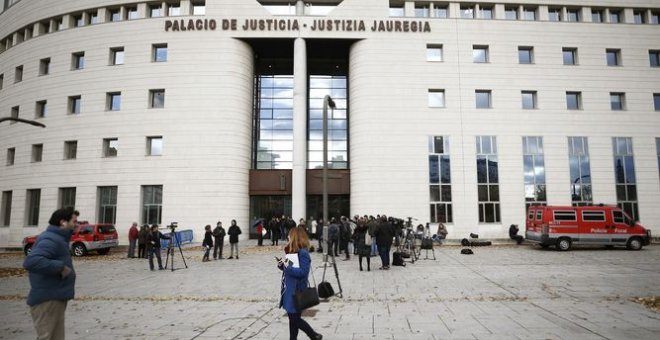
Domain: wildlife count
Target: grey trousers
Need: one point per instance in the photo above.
(48, 319)
(131, 248)
(233, 246)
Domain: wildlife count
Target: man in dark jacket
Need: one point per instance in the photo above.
(52, 278)
(153, 246)
(132, 239)
(233, 232)
(384, 234)
(219, 234)
(333, 237)
(207, 243)
(513, 234)
(345, 236)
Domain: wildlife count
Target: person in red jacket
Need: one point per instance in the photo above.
(132, 239)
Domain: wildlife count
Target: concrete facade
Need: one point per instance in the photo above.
(206, 123)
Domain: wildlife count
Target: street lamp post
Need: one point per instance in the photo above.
(327, 102)
(21, 120)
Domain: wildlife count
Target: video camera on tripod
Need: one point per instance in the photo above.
(174, 240)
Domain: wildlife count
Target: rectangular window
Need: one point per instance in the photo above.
(396, 11)
(580, 171)
(11, 155)
(529, 13)
(615, 16)
(488, 180)
(525, 54)
(37, 152)
(320, 85)
(18, 74)
(565, 215)
(534, 171)
(5, 213)
(115, 15)
(155, 146)
(107, 198)
(554, 14)
(67, 198)
(110, 147)
(74, 104)
(78, 61)
(528, 100)
(657, 148)
(656, 101)
(41, 109)
(597, 15)
(422, 11)
(70, 149)
(638, 16)
(93, 17)
(485, 12)
(157, 99)
(655, 18)
(199, 7)
(483, 99)
(574, 100)
(654, 58)
(117, 56)
(617, 101)
(159, 52)
(155, 11)
(113, 101)
(480, 54)
(174, 10)
(440, 180)
(572, 15)
(33, 200)
(78, 20)
(434, 52)
(613, 57)
(440, 11)
(511, 13)
(436, 98)
(44, 66)
(467, 12)
(152, 201)
(624, 173)
(131, 13)
(15, 112)
(274, 132)
(570, 55)
(593, 216)
(2, 80)
(59, 23)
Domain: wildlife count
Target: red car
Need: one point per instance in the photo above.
(86, 237)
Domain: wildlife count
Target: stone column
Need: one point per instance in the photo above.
(299, 172)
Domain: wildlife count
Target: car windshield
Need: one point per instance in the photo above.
(106, 229)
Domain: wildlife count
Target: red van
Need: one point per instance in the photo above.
(565, 226)
(86, 237)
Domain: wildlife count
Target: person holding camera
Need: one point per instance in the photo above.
(207, 244)
(153, 246)
(295, 279)
(233, 232)
(219, 234)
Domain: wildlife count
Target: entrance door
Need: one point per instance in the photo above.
(268, 206)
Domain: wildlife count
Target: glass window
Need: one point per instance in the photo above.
(434, 53)
(14, 113)
(157, 99)
(573, 100)
(617, 101)
(529, 13)
(487, 177)
(483, 99)
(528, 100)
(110, 147)
(525, 55)
(117, 56)
(593, 216)
(40, 109)
(155, 11)
(638, 16)
(554, 14)
(511, 13)
(615, 16)
(580, 170)
(93, 17)
(115, 15)
(74, 104)
(70, 149)
(573, 15)
(436, 98)
(67, 198)
(613, 57)
(439, 11)
(395, 10)
(596, 15)
(440, 180)
(11, 154)
(320, 86)
(44, 66)
(199, 7)
(37, 152)
(32, 207)
(18, 74)
(78, 60)
(152, 204)
(155, 146)
(655, 18)
(486, 12)
(132, 13)
(107, 204)
(654, 58)
(467, 12)
(174, 10)
(565, 215)
(421, 11)
(78, 20)
(656, 101)
(480, 54)
(534, 171)
(624, 174)
(159, 52)
(113, 101)
(570, 55)
(5, 212)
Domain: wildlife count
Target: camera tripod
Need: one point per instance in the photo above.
(174, 238)
(327, 252)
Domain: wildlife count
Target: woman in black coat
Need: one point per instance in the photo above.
(363, 249)
(208, 243)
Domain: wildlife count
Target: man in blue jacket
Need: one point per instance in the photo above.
(52, 278)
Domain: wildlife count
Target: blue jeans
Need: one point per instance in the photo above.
(438, 238)
(374, 249)
(384, 255)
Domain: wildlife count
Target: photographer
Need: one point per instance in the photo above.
(153, 246)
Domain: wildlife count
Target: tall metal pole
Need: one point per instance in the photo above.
(327, 101)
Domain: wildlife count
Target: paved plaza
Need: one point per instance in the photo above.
(500, 292)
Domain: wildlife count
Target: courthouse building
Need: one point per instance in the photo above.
(461, 112)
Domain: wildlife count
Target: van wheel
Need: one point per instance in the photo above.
(79, 249)
(634, 243)
(564, 244)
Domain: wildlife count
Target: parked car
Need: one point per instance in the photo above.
(86, 237)
(565, 226)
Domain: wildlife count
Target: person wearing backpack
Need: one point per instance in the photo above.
(363, 243)
(219, 235)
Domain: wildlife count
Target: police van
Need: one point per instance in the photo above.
(566, 226)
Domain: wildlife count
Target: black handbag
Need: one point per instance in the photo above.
(325, 290)
(308, 297)
(427, 244)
